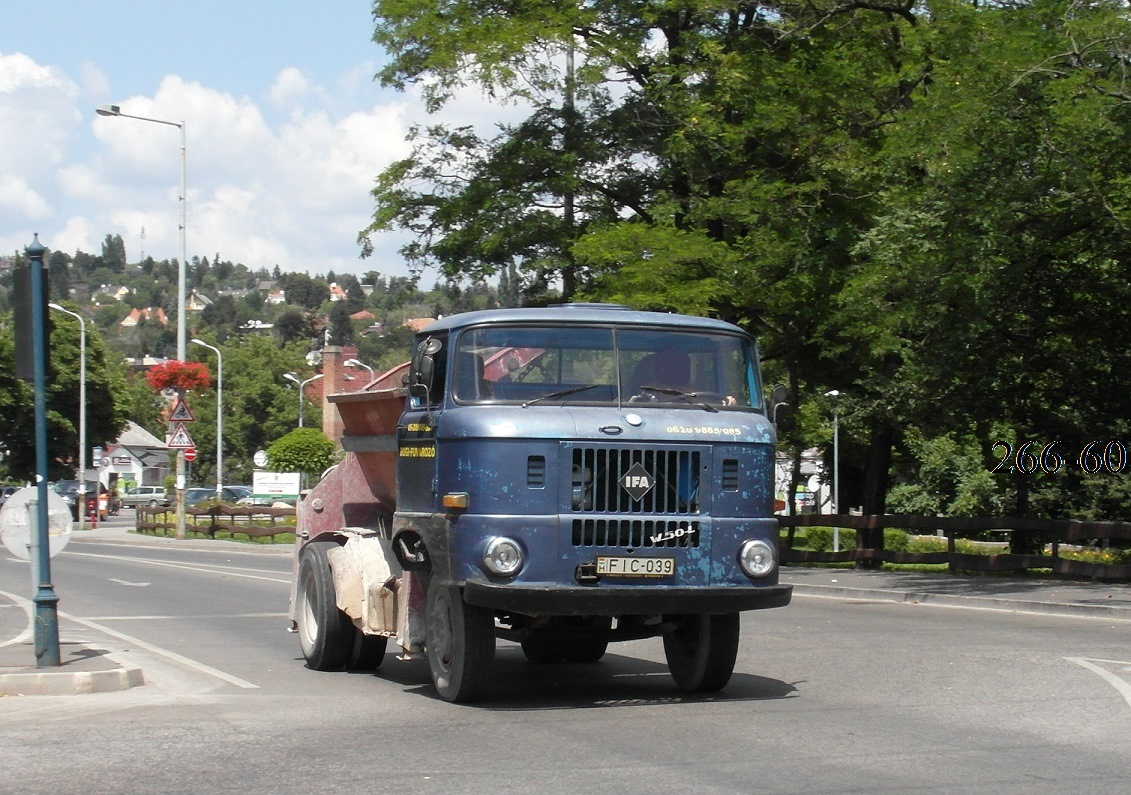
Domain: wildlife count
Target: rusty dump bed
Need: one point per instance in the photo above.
(361, 491)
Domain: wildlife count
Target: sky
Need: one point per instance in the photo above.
(285, 129)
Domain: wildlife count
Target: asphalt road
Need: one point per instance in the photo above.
(829, 695)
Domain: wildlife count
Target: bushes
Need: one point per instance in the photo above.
(820, 539)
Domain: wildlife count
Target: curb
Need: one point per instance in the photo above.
(56, 683)
(965, 602)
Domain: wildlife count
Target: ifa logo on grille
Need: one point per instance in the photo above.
(637, 482)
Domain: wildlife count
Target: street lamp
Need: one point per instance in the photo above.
(219, 416)
(82, 410)
(301, 386)
(834, 394)
(359, 363)
(114, 110)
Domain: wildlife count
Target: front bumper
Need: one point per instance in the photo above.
(551, 600)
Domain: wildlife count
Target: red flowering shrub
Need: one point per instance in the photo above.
(173, 374)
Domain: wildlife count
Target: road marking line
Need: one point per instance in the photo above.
(1123, 687)
(207, 568)
(141, 644)
(194, 617)
(125, 582)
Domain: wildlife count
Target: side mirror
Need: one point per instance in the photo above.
(780, 409)
(422, 370)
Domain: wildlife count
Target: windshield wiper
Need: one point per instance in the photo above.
(687, 397)
(561, 393)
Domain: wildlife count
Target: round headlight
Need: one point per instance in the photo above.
(503, 557)
(757, 558)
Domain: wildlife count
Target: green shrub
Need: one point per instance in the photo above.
(921, 544)
(896, 539)
(820, 539)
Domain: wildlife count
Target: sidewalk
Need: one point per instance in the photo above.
(86, 668)
(1015, 594)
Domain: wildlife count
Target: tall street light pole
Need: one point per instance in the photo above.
(114, 110)
(301, 389)
(219, 416)
(82, 410)
(834, 394)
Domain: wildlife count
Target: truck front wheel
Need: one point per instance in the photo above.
(325, 633)
(460, 642)
(701, 651)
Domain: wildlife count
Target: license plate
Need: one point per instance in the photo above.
(635, 567)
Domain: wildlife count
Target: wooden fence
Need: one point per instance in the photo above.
(1051, 532)
(252, 521)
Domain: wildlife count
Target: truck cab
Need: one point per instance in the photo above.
(564, 478)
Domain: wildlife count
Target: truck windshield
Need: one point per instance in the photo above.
(527, 365)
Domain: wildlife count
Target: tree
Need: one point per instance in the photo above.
(304, 450)
(105, 411)
(114, 254)
(341, 327)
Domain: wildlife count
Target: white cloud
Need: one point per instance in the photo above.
(291, 191)
(17, 197)
(289, 88)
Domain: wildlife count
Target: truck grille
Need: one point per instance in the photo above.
(635, 533)
(666, 481)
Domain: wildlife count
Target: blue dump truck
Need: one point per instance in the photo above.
(562, 478)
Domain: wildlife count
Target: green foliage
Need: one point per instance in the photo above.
(820, 539)
(305, 450)
(896, 540)
(105, 408)
(948, 476)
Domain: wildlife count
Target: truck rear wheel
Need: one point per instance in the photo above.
(325, 633)
(702, 650)
(460, 643)
(368, 651)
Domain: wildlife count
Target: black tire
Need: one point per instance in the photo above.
(368, 651)
(542, 650)
(325, 633)
(702, 650)
(460, 643)
(589, 650)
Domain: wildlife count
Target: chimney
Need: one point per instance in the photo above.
(333, 382)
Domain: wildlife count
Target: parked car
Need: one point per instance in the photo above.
(8, 491)
(95, 493)
(151, 496)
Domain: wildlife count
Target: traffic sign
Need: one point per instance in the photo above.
(190, 454)
(181, 412)
(180, 440)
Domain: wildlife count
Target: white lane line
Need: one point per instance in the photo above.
(206, 568)
(1123, 687)
(194, 617)
(149, 647)
(126, 582)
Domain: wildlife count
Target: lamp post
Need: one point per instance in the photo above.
(301, 386)
(834, 394)
(82, 410)
(114, 110)
(219, 416)
(359, 363)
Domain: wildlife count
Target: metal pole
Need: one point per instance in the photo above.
(219, 416)
(835, 395)
(114, 110)
(82, 410)
(46, 601)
